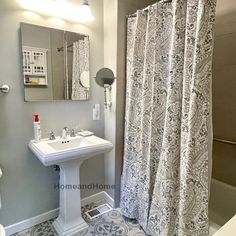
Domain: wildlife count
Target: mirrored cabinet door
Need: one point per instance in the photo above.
(56, 64)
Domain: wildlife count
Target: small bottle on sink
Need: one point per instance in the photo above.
(37, 129)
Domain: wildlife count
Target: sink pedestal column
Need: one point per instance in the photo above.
(70, 220)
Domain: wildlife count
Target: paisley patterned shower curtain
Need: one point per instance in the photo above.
(168, 118)
(80, 66)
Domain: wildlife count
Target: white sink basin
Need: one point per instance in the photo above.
(62, 150)
(69, 155)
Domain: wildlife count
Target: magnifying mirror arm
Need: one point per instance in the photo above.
(107, 96)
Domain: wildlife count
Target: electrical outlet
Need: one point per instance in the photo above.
(96, 112)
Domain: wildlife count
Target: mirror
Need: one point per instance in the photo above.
(105, 76)
(56, 64)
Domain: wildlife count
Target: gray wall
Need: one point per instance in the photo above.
(224, 109)
(27, 186)
(110, 57)
(224, 95)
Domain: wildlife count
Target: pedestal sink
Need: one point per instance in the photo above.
(69, 155)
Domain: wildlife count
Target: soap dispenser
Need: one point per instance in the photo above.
(37, 129)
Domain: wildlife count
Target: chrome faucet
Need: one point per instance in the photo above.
(52, 136)
(72, 133)
(64, 133)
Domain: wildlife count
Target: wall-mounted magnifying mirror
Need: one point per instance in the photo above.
(105, 78)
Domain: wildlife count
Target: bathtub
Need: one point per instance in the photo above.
(222, 205)
(213, 228)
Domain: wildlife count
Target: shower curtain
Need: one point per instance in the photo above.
(168, 117)
(80, 66)
(66, 75)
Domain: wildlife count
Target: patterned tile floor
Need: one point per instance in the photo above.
(109, 224)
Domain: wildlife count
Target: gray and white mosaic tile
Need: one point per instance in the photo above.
(111, 223)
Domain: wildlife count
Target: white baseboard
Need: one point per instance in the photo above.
(109, 199)
(26, 224)
(96, 197)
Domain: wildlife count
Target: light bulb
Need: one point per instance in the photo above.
(85, 14)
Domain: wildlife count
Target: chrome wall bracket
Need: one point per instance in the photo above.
(5, 88)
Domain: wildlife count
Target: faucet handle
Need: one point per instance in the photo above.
(52, 136)
(65, 131)
(72, 133)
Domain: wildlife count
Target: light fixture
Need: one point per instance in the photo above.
(63, 9)
(85, 13)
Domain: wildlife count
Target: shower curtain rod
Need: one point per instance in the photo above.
(146, 9)
(62, 48)
(224, 141)
(71, 45)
